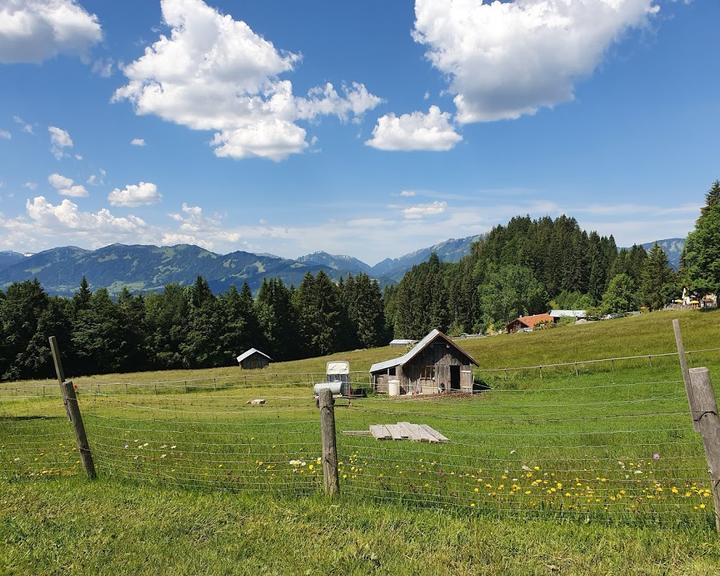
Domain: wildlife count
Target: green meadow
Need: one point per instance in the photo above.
(586, 467)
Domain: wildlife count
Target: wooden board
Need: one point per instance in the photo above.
(406, 431)
(380, 432)
(439, 437)
(395, 431)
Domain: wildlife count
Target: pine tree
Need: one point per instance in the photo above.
(97, 335)
(320, 314)
(241, 330)
(167, 320)
(81, 298)
(134, 349)
(278, 320)
(202, 346)
(701, 256)
(657, 280)
(364, 305)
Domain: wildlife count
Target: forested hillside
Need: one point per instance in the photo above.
(185, 327)
(524, 268)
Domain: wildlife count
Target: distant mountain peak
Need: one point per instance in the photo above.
(341, 263)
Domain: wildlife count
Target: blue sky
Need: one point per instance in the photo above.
(443, 118)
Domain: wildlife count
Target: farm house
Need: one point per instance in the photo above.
(530, 323)
(434, 365)
(253, 359)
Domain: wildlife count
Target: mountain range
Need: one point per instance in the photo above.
(143, 268)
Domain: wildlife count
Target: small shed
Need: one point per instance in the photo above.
(435, 364)
(253, 359)
(529, 323)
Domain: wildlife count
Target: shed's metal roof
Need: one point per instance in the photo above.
(337, 367)
(249, 353)
(568, 313)
(419, 347)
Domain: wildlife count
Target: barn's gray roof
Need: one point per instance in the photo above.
(249, 353)
(415, 350)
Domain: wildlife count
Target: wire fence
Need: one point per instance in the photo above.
(609, 440)
(141, 385)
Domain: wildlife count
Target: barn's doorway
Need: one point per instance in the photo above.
(454, 377)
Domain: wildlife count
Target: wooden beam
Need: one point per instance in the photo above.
(684, 369)
(73, 407)
(705, 415)
(329, 447)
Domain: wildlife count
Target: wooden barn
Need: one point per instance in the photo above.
(434, 365)
(253, 359)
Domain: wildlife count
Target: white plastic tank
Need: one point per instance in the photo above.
(334, 387)
(394, 387)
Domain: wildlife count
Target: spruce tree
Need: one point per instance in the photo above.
(701, 256)
(278, 320)
(657, 280)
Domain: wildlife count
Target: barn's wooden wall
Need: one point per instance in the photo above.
(438, 355)
(254, 362)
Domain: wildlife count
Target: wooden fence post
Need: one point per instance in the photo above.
(329, 448)
(59, 372)
(80, 435)
(705, 414)
(684, 368)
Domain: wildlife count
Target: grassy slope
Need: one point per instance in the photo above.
(72, 527)
(127, 528)
(649, 334)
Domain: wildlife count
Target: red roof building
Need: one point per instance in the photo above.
(529, 323)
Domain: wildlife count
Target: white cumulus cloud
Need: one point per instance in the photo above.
(142, 194)
(507, 59)
(67, 215)
(35, 30)
(66, 186)
(137, 142)
(215, 73)
(59, 140)
(420, 211)
(415, 131)
(5, 135)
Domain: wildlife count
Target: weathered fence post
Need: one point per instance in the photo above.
(329, 448)
(684, 367)
(704, 413)
(59, 372)
(80, 435)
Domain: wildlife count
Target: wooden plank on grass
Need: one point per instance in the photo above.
(414, 431)
(405, 429)
(424, 435)
(439, 437)
(395, 432)
(380, 432)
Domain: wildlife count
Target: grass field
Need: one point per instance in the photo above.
(566, 469)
